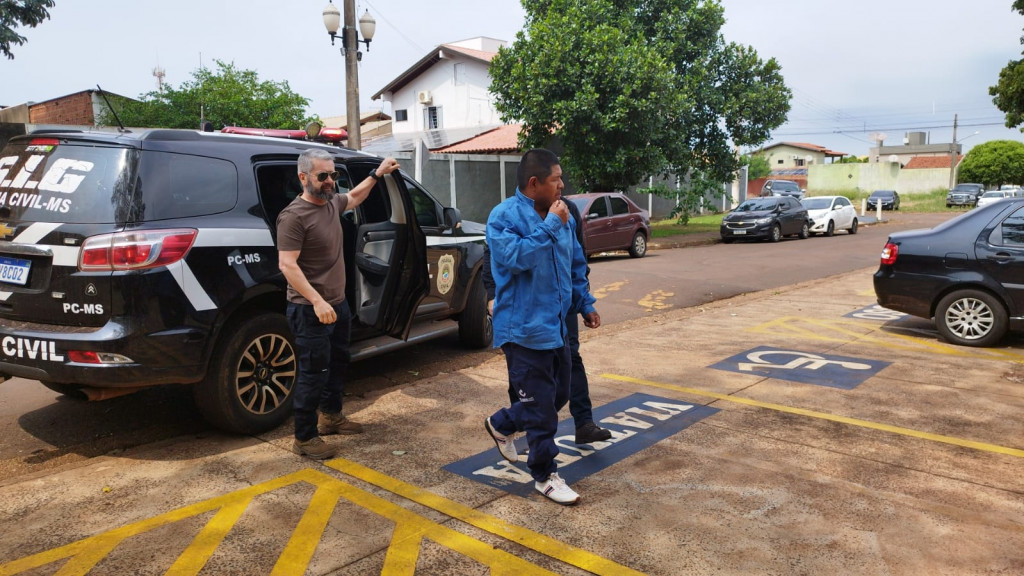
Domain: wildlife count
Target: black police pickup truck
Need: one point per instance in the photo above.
(130, 260)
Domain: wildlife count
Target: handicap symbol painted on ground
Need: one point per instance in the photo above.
(876, 312)
(636, 422)
(809, 368)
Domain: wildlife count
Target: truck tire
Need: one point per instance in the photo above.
(475, 329)
(248, 388)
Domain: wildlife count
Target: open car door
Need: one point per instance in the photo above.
(390, 262)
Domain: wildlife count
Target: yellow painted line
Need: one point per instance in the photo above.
(306, 536)
(85, 553)
(203, 546)
(608, 288)
(656, 300)
(858, 330)
(983, 446)
(400, 559)
(538, 542)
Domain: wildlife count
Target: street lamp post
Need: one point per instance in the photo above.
(350, 49)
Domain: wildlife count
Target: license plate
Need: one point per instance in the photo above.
(739, 232)
(14, 270)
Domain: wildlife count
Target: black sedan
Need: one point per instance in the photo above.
(889, 199)
(966, 273)
(769, 217)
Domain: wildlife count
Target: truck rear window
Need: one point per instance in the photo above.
(86, 183)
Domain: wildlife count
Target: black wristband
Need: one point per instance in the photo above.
(373, 174)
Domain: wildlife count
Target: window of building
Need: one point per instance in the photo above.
(781, 161)
(432, 118)
(460, 73)
(401, 115)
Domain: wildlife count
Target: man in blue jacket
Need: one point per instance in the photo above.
(539, 272)
(580, 406)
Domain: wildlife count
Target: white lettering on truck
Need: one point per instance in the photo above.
(17, 347)
(240, 259)
(76, 308)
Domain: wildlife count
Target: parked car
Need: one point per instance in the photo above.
(831, 213)
(770, 218)
(611, 221)
(782, 188)
(966, 273)
(139, 259)
(889, 199)
(993, 196)
(964, 194)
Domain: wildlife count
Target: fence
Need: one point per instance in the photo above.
(475, 183)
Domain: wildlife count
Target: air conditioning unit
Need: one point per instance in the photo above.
(424, 97)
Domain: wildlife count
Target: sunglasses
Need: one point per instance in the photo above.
(320, 177)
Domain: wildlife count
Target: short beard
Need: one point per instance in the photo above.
(317, 193)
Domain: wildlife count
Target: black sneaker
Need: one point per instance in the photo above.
(591, 432)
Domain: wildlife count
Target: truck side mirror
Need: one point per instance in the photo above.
(452, 218)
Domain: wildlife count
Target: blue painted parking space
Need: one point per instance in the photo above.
(636, 422)
(806, 367)
(876, 312)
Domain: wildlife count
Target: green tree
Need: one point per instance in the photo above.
(994, 163)
(853, 160)
(1008, 93)
(637, 88)
(757, 166)
(225, 97)
(14, 13)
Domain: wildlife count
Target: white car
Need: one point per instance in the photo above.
(831, 213)
(993, 196)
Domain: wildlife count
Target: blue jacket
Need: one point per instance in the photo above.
(540, 274)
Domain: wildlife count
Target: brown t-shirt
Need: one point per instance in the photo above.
(315, 231)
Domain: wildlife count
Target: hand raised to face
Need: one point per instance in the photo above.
(558, 208)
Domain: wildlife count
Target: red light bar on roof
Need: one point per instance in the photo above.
(333, 134)
(44, 142)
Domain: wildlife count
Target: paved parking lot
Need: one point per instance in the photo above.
(794, 431)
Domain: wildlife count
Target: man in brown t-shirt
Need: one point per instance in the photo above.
(310, 249)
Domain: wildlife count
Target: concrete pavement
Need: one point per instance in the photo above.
(794, 431)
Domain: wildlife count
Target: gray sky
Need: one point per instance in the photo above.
(854, 68)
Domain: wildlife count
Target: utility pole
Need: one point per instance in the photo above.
(952, 157)
(351, 41)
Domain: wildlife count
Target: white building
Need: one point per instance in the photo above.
(444, 97)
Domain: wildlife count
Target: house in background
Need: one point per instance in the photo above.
(790, 155)
(372, 123)
(791, 161)
(78, 109)
(442, 99)
(915, 145)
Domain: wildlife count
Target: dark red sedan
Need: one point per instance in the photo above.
(611, 221)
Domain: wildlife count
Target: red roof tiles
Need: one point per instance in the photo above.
(922, 162)
(501, 140)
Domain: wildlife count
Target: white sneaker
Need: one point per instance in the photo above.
(557, 490)
(505, 443)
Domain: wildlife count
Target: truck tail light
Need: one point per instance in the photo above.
(136, 250)
(889, 253)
